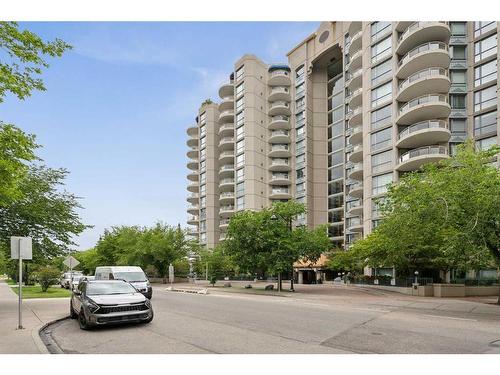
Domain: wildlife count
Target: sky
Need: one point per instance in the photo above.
(118, 104)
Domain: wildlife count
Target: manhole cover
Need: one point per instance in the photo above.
(495, 343)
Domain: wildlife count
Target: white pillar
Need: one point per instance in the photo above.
(301, 277)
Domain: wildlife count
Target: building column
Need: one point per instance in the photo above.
(301, 277)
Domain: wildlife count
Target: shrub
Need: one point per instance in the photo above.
(213, 280)
(47, 276)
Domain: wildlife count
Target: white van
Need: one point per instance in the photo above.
(134, 275)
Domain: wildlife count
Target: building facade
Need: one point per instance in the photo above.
(358, 105)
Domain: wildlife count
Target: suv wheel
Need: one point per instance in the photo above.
(72, 313)
(82, 321)
(150, 319)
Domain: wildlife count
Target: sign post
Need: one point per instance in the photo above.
(70, 262)
(20, 248)
(171, 274)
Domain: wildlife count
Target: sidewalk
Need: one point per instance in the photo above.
(36, 312)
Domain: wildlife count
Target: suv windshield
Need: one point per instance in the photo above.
(130, 276)
(103, 287)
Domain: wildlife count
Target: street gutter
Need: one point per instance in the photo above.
(44, 341)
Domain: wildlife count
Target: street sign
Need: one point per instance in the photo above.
(171, 273)
(21, 245)
(70, 262)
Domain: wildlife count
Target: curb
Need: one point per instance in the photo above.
(40, 344)
(194, 291)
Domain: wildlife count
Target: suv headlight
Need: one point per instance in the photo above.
(93, 307)
(148, 303)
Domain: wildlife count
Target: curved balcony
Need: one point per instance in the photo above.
(280, 193)
(226, 130)
(226, 170)
(279, 165)
(280, 179)
(356, 42)
(193, 165)
(424, 133)
(279, 136)
(414, 159)
(226, 156)
(356, 60)
(192, 131)
(424, 108)
(355, 224)
(355, 117)
(354, 80)
(193, 187)
(354, 27)
(354, 208)
(226, 103)
(227, 89)
(426, 81)
(193, 153)
(193, 176)
(226, 143)
(223, 223)
(403, 25)
(226, 211)
(193, 198)
(279, 107)
(226, 116)
(433, 54)
(356, 190)
(279, 122)
(356, 154)
(355, 135)
(226, 197)
(226, 184)
(279, 151)
(422, 32)
(279, 77)
(192, 142)
(356, 172)
(355, 98)
(193, 220)
(279, 93)
(193, 209)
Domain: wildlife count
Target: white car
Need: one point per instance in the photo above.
(132, 274)
(75, 280)
(65, 279)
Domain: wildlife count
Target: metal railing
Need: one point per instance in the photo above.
(280, 103)
(227, 112)
(226, 139)
(280, 118)
(280, 176)
(428, 72)
(280, 162)
(227, 194)
(279, 132)
(280, 72)
(430, 98)
(350, 76)
(280, 148)
(429, 124)
(279, 90)
(280, 191)
(421, 151)
(418, 25)
(431, 46)
(227, 208)
(226, 181)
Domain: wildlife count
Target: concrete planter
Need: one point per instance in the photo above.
(449, 290)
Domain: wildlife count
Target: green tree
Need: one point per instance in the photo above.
(215, 261)
(25, 52)
(88, 259)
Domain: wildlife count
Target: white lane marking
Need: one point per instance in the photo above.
(450, 317)
(374, 310)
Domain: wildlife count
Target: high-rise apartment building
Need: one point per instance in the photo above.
(358, 105)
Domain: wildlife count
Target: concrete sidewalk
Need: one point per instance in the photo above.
(36, 312)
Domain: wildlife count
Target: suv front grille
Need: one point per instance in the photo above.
(121, 308)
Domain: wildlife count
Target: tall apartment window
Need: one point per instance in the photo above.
(240, 203)
(301, 173)
(240, 160)
(240, 89)
(335, 187)
(486, 123)
(203, 153)
(203, 142)
(203, 226)
(457, 101)
(484, 48)
(485, 98)
(240, 132)
(335, 144)
(458, 28)
(240, 188)
(301, 131)
(458, 77)
(299, 103)
(240, 175)
(240, 118)
(299, 72)
(458, 126)
(336, 158)
(203, 177)
(381, 94)
(203, 165)
(381, 117)
(203, 201)
(485, 73)
(203, 117)
(300, 187)
(481, 27)
(380, 183)
(381, 49)
(299, 90)
(240, 146)
(453, 148)
(239, 103)
(335, 173)
(299, 160)
(458, 53)
(379, 29)
(203, 189)
(299, 118)
(335, 130)
(240, 72)
(299, 146)
(486, 143)
(203, 130)
(381, 72)
(381, 139)
(382, 161)
(203, 237)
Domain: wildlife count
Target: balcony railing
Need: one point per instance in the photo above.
(429, 124)
(280, 191)
(280, 176)
(227, 167)
(224, 222)
(427, 150)
(279, 132)
(279, 90)
(227, 208)
(226, 154)
(226, 139)
(279, 118)
(350, 76)
(226, 181)
(280, 103)
(429, 72)
(227, 194)
(431, 98)
(280, 148)
(279, 73)
(431, 46)
(417, 25)
(280, 162)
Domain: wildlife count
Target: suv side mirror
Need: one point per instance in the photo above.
(77, 291)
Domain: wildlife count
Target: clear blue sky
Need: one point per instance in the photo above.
(117, 107)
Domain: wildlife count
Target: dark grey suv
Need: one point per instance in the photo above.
(100, 302)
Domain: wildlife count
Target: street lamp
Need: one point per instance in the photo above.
(416, 277)
(275, 217)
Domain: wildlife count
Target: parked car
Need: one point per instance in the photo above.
(65, 279)
(75, 280)
(134, 275)
(102, 302)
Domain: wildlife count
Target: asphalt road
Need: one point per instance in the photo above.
(352, 321)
